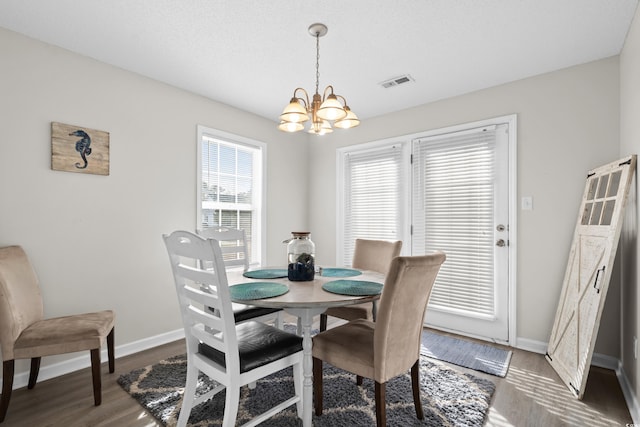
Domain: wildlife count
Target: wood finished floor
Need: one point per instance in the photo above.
(530, 395)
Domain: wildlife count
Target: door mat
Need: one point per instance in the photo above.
(484, 358)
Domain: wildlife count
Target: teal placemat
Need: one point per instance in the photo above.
(353, 287)
(257, 290)
(340, 272)
(266, 273)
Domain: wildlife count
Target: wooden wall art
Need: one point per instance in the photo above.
(78, 149)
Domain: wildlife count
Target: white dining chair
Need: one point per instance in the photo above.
(231, 354)
(233, 245)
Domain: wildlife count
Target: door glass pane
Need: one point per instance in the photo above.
(593, 184)
(602, 188)
(588, 207)
(595, 215)
(614, 184)
(609, 206)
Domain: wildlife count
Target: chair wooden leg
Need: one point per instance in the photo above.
(317, 385)
(231, 405)
(381, 413)
(8, 367)
(358, 380)
(415, 383)
(33, 373)
(97, 380)
(323, 322)
(111, 350)
(189, 394)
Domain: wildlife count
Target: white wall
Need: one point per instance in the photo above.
(568, 123)
(630, 144)
(95, 241)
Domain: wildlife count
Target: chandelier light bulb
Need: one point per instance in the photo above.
(351, 120)
(290, 126)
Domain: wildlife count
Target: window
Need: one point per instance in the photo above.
(372, 197)
(230, 176)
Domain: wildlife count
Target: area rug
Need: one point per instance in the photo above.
(449, 398)
(480, 357)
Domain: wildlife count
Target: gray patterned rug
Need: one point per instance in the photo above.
(449, 398)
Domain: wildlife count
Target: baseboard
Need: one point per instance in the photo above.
(629, 396)
(531, 345)
(84, 361)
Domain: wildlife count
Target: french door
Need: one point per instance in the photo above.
(460, 205)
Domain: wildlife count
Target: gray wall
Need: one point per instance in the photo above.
(568, 123)
(95, 240)
(630, 144)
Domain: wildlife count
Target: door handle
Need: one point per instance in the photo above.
(501, 243)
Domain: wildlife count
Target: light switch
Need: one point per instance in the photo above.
(527, 203)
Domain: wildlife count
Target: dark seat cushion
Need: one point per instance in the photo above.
(258, 344)
(242, 312)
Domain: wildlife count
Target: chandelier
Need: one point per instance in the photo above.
(322, 110)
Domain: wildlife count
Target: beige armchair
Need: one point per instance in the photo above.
(390, 346)
(25, 334)
(374, 255)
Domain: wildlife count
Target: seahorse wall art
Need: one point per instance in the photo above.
(79, 149)
(83, 146)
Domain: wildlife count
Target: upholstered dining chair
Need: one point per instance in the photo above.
(26, 334)
(231, 354)
(390, 346)
(233, 245)
(374, 255)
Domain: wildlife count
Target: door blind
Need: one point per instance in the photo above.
(372, 196)
(453, 211)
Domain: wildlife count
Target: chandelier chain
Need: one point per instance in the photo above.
(317, 61)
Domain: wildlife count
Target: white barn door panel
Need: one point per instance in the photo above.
(588, 272)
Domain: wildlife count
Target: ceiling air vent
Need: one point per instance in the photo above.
(397, 81)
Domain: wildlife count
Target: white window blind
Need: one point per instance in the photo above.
(453, 211)
(230, 186)
(372, 196)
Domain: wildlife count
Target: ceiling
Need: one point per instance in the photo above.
(253, 54)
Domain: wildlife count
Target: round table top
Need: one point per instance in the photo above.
(306, 294)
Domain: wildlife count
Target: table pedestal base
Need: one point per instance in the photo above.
(306, 316)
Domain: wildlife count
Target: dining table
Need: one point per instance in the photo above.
(330, 287)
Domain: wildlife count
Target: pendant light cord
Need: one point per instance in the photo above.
(317, 61)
